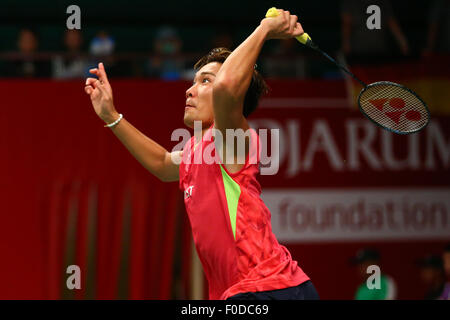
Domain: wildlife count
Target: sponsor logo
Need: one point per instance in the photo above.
(188, 192)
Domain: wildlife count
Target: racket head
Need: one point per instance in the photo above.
(394, 107)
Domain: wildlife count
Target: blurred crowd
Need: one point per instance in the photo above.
(168, 59)
(433, 275)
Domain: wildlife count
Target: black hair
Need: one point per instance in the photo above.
(256, 89)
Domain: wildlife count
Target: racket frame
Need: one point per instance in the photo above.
(402, 87)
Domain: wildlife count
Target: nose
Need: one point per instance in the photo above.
(190, 91)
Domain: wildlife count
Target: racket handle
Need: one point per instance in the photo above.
(306, 40)
(303, 39)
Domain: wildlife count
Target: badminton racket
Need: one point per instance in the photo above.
(389, 105)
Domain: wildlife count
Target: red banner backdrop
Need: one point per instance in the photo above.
(344, 184)
(73, 195)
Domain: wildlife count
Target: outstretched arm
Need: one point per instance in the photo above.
(234, 76)
(150, 154)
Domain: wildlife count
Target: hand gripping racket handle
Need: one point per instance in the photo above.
(303, 39)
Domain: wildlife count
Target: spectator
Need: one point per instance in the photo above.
(102, 47)
(25, 62)
(102, 44)
(432, 275)
(388, 289)
(446, 259)
(71, 64)
(359, 43)
(439, 28)
(166, 62)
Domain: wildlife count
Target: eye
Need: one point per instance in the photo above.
(206, 79)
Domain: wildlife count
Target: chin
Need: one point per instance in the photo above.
(190, 119)
(188, 122)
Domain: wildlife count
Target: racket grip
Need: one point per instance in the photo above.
(304, 38)
(272, 12)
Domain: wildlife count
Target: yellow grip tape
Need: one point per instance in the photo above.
(303, 38)
(272, 12)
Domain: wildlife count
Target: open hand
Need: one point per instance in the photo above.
(100, 92)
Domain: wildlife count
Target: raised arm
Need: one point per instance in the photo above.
(234, 76)
(150, 154)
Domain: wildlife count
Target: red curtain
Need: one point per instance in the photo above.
(73, 195)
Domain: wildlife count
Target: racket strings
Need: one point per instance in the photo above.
(394, 107)
(404, 118)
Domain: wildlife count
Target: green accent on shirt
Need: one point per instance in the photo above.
(232, 193)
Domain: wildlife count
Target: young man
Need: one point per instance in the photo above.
(230, 223)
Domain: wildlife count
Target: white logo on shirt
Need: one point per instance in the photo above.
(188, 192)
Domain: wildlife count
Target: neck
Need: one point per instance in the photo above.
(204, 131)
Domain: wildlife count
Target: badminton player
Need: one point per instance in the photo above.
(230, 223)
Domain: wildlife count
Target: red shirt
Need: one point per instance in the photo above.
(231, 225)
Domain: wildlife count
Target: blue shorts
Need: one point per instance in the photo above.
(304, 291)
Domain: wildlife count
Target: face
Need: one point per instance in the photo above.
(199, 106)
(428, 275)
(27, 41)
(73, 39)
(362, 268)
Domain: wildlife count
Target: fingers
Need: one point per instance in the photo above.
(92, 82)
(94, 71)
(89, 85)
(102, 73)
(286, 16)
(88, 90)
(292, 23)
(298, 30)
